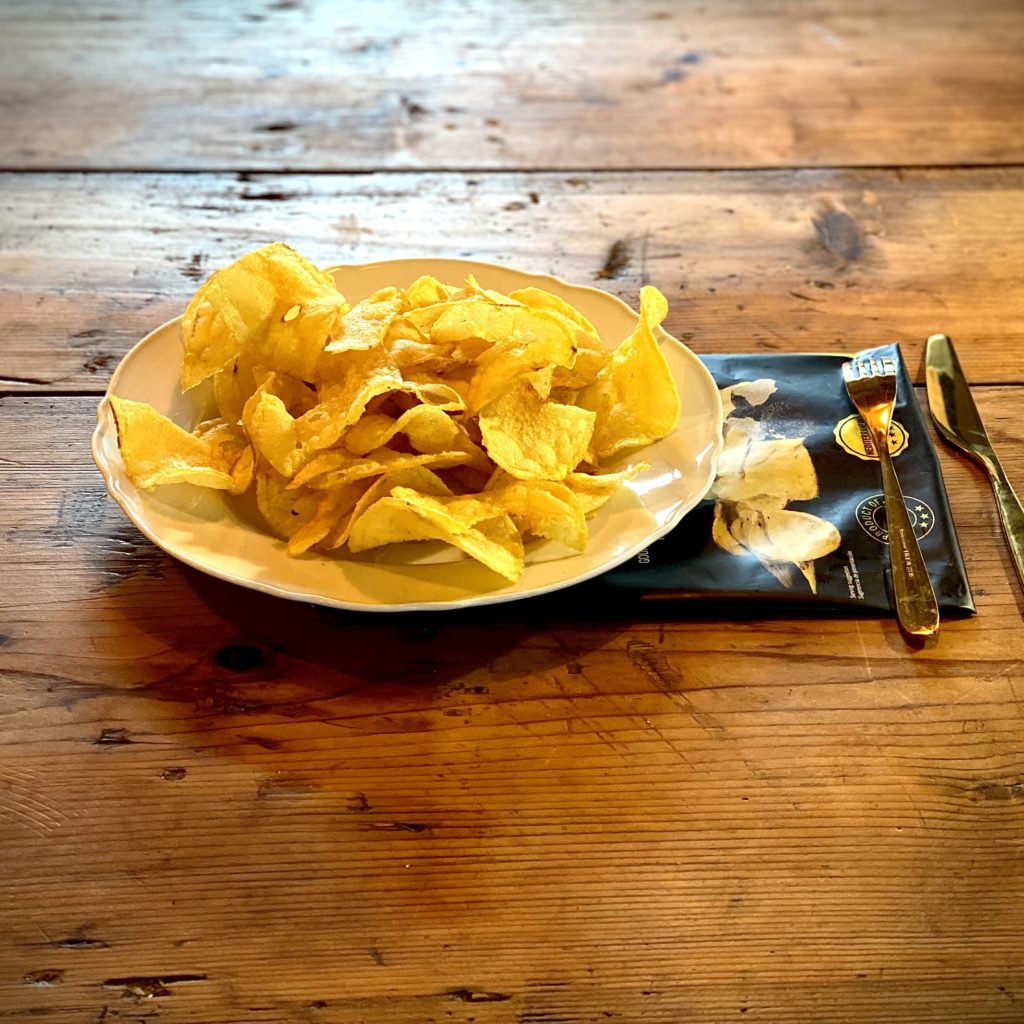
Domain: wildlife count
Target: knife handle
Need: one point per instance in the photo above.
(1012, 515)
(916, 606)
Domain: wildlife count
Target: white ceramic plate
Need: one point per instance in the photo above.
(224, 538)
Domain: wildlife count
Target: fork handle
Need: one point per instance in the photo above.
(915, 600)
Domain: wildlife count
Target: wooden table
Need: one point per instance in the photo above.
(219, 807)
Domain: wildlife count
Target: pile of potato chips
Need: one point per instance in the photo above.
(437, 412)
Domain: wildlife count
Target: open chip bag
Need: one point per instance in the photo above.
(797, 514)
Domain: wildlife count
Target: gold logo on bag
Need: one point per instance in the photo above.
(853, 436)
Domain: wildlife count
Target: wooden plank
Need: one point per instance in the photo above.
(315, 85)
(220, 807)
(779, 261)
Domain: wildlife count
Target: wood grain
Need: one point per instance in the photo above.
(778, 261)
(315, 85)
(220, 807)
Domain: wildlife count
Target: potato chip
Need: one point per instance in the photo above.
(590, 357)
(335, 468)
(272, 303)
(349, 384)
(365, 324)
(233, 386)
(504, 342)
(332, 512)
(634, 396)
(428, 429)
(533, 439)
(592, 490)
(406, 515)
(416, 478)
(298, 397)
(411, 354)
(285, 510)
(156, 451)
(426, 291)
(230, 449)
(538, 298)
(273, 432)
(543, 508)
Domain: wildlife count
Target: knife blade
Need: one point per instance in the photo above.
(959, 422)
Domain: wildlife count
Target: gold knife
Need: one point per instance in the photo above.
(958, 421)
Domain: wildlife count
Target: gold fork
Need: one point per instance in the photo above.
(871, 384)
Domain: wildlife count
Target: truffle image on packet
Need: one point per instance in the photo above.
(797, 515)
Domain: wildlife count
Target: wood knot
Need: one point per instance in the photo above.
(241, 658)
(42, 979)
(112, 738)
(839, 234)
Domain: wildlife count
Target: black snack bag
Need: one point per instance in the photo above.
(797, 513)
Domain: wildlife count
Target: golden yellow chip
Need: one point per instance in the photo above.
(634, 396)
(504, 342)
(416, 354)
(233, 386)
(428, 429)
(272, 303)
(332, 513)
(416, 478)
(335, 468)
(406, 515)
(594, 489)
(473, 289)
(426, 291)
(273, 432)
(591, 356)
(285, 510)
(533, 439)
(543, 508)
(156, 451)
(366, 323)
(230, 449)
